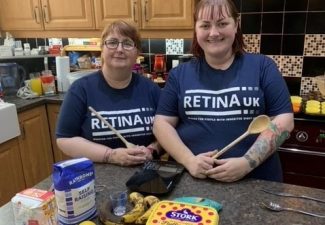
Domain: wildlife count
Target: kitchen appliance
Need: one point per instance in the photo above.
(156, 177)
(185, 58)
(159, 74)
(303, 153)
(159, 64)
(12, 77)
(73, 76)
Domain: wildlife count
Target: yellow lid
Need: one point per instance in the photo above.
(176, 213)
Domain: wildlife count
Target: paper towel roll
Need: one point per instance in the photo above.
(62, 70)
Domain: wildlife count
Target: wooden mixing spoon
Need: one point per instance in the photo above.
(258, 125)
(127, 144)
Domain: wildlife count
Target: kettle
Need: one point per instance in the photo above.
(12, 77)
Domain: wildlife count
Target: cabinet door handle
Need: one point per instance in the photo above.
(145, 11)
(36, 15)
(46, 14)
(135, 14)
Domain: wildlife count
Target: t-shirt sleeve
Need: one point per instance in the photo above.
(276, 93)
(72, 112)
(155, 95)
(168, 102)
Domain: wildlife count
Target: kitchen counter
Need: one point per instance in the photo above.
(240, 200)
(24, 104)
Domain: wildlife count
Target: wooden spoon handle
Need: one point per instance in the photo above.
(127, 144)
(241, 137)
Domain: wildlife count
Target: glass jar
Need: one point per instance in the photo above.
(48, 82)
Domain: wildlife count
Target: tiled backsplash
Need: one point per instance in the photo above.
(292, 32)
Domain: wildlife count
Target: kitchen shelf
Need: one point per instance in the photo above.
(87, 48)
(27, 56)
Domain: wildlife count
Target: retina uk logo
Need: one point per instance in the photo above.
(184, 215)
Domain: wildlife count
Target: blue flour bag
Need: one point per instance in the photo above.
(74, 187)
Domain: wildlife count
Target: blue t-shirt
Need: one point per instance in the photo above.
(130, 110)
(215, 107)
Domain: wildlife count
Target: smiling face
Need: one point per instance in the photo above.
(119, 58)
(215, 31)
(121, 45)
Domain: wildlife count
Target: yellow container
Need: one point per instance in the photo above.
(176, 213)
(36, 85)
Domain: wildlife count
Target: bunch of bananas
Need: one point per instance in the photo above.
(143, 206)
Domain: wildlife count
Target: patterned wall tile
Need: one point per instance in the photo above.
(314, 45)
(174, 46)
(277, 59)
(307, 85)
(253, 42)
(291, 66)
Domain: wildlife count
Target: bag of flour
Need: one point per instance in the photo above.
(74, 186)
(34, 206)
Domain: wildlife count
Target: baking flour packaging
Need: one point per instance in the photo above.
(74, 186)
(34, 206)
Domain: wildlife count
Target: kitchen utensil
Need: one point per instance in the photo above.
(127, 144)
(12, 77)
(258, 124)
(277, 208)
(156, 177)
(283, 194)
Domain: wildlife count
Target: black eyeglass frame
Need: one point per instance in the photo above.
(117, 43)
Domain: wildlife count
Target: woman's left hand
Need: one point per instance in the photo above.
(229, 170)
(147, 153)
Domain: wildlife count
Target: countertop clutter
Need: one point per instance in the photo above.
(241, 201)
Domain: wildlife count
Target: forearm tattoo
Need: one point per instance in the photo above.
(265, 145)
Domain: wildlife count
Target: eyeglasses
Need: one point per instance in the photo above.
(113, 44)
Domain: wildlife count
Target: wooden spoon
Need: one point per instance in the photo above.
(258, 125)
(127, 144)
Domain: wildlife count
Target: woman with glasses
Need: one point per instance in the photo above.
(126, 100)
(210, 101)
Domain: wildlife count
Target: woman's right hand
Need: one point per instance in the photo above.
(127, 156)
(199, 164)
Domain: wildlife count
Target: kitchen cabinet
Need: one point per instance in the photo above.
(11, 170)
(46, 14)
(147, 14)
(87, 18)
(35, 145)
(52, 114)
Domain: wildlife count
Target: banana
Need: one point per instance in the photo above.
(137, 200)
(143, 219)
(107, 222)
(151, 201)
